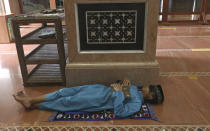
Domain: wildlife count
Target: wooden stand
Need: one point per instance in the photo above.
(202, 15)
(49, 57)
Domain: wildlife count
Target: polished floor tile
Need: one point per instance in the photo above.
(183, 43)
(184, 61)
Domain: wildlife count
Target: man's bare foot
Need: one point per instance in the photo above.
(23, 99)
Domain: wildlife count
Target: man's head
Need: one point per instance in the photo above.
(153, 94)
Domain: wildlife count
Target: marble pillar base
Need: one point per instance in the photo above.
(106, 73)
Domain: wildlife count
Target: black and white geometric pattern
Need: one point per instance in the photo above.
(111, 27)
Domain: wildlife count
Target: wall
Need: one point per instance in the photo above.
(14, 6)
(2, 9)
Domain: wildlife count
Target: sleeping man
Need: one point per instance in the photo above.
(96, 97)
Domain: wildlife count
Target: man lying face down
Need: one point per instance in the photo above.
(96, 97)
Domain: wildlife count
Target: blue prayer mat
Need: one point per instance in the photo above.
(146, 113)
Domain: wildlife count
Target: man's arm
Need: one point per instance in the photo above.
(133, 105)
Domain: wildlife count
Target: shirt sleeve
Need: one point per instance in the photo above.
(133, 105)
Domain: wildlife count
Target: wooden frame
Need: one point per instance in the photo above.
(206, 12)
(202, 15)
(50, 56)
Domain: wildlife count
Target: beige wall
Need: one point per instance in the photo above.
(52, 4)
(4, 34)
(14, 6)
(2, 9)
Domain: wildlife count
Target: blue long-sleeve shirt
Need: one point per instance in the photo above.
(93, 98)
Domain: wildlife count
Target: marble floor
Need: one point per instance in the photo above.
(184, 56)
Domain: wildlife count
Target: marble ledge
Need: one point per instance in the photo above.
(111, 64)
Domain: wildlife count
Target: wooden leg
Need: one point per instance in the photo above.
(203, 12)
(165, 10)
(20, 51)
(60, 45)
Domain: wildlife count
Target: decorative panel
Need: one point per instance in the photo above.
(115, 26)
(109, 27)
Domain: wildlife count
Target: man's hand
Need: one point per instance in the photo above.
(126, 82)
(117, 87)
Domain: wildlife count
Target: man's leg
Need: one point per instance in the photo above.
(27, 102)
(64, 92)
(41, 103)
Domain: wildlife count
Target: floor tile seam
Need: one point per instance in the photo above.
(181, 36)
(184, 50)
(185, 74)
(192, 27)
(173, 50)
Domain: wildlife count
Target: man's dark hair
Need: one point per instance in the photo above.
(157, 95)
